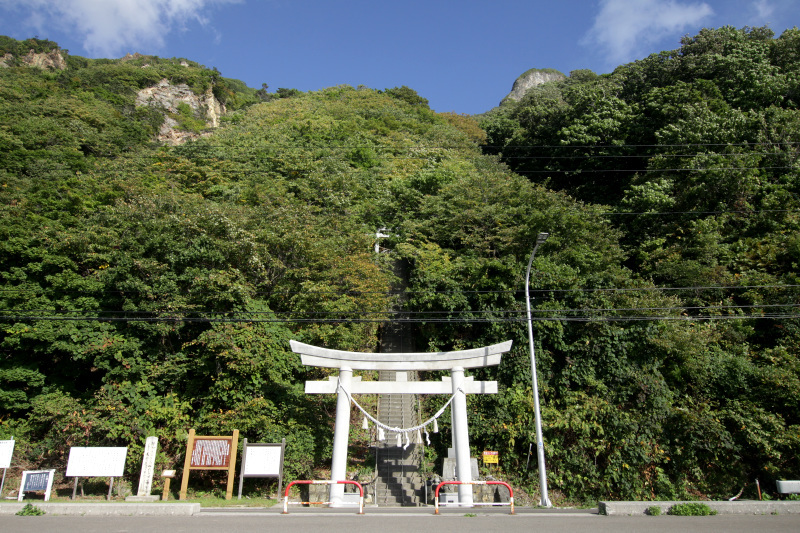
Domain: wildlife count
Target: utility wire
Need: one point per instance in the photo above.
(46, 292)
(458, 321)
(277, 293)
(470, 315)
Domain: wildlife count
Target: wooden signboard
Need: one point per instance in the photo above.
(36, 480)
(96, 462)
(210, 453)
(262, 459)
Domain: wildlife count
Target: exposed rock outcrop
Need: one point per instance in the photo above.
(168, 97)
(531, 79)
(130, 57)
(51, 60)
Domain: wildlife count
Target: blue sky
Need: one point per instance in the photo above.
(462, 56)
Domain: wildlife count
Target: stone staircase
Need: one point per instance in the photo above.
(398, 481)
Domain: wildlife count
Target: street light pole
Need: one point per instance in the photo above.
(545, 500)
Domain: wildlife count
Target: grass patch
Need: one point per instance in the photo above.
(654, 510)
(213, 501)
(691, 509)
(30, 510)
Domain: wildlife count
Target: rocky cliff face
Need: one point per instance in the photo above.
(168, 97)
(52, 60)
(531, 79)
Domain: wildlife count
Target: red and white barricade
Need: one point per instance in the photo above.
(510, 492)
(286, 501)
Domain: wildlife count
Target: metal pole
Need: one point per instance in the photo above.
(545, 500)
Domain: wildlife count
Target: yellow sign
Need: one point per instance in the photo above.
(491, 457)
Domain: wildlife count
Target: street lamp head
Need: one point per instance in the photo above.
(542, 237)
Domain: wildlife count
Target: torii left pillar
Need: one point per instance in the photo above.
(341, 436)
(458, 385)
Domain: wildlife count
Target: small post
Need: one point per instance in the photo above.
(167, 475)
(75, 488)
(110, 487)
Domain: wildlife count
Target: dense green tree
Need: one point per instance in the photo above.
(148, 289)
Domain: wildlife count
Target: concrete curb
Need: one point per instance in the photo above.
(106, 509)
(750, 507)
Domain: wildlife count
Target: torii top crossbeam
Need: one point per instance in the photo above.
(474, 358)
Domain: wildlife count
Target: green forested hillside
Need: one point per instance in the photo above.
(148, 289)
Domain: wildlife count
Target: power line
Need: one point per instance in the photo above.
(458, 321)
(606, 146)
(220, 153)
(737, 212)
(652, 155)
(649, 170)
(404, 314)
(470, 315)
(194, 149)
(277, 293)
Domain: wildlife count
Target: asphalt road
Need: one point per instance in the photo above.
(401, 521)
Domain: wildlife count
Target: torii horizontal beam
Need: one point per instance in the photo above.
(474, 358)
(401, 387)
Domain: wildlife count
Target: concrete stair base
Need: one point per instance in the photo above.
(398, 481)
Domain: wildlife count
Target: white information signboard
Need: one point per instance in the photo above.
(6, 451)
(262, 460)
(96, 462)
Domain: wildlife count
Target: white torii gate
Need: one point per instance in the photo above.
(346, 384)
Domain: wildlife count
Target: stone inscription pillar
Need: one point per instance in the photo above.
(148, 466)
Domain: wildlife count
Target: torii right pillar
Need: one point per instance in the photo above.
(461, 437)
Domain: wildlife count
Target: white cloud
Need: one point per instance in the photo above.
(112, 27)
(764, 9)
(624, 28)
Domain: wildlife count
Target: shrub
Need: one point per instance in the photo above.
(30, 510)
(654, 510)
(691, 509)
